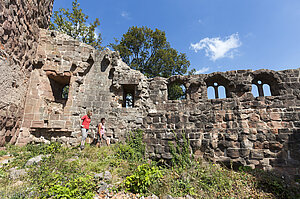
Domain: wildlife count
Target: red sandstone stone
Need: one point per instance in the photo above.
(28, 109)
(275, 146)
(275, 116)
(258, 145)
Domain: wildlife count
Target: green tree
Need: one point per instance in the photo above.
(192, 72)
(74, 24)
(176, 91)
(148, 51)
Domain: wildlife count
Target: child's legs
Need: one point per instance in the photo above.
(98, 140)
(106, 139)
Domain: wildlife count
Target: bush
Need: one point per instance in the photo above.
(181, 153)
(44, 149)
(143, 178)
(134, 149)
(80, 187)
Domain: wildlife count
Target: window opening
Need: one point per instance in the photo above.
(267, 90)
(211, 92)
(221, 92)
(176, 91)
(128, 96)
(254, 90)
(60, 85)
(216, 91)
(260, 89)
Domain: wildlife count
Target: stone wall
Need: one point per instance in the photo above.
(95, 82)
(261, 132)
(19, 33)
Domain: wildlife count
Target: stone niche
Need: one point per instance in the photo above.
(60, 84)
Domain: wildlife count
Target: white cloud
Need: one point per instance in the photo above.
(216, 48)
(125, 15)
(202, 70)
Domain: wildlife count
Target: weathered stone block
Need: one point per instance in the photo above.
(37, 124)
(156, 119)
(275, 146)
(57, 124)
(275, 116)
(257, 154)
(233, 153)
(244, 153)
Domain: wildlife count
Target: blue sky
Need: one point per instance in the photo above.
(216, 35)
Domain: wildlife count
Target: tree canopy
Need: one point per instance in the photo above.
(148, 51)
(74, 24)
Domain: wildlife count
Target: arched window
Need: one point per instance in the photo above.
(267, 90)
(217, 87)
(267, 83)
(260, 89)
(211, 93)
(222, 92)
(254, 90)
(176, 91)
(216, 91)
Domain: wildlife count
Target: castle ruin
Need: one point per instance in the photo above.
(49, 80)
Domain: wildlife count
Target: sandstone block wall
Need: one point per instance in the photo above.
(95, 82)
(261, 132)
(19, 32)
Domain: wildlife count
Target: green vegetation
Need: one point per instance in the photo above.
(2, 153)
(143, 178)
(74, 24)
(148, 51)
(68, 173)
(134, 149)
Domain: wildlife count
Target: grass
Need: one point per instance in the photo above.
(70, 171)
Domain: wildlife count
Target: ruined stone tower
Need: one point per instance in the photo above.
(19, 34)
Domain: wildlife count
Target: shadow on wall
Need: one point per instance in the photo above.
(50, 135)
(105, 63)
(294, 151)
